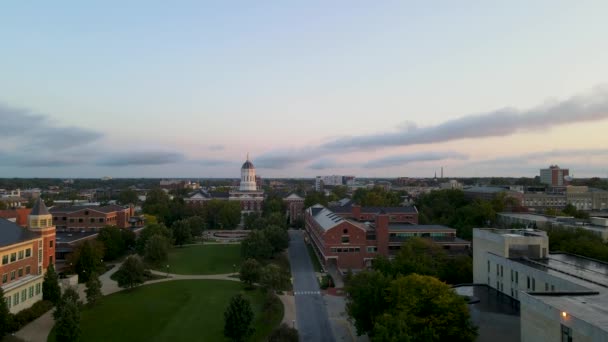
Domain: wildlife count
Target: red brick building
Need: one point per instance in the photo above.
(26, 253)
(346, 243)
(92, 218)
(295, 207)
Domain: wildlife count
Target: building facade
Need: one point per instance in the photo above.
(295, 207)
(562, 297)
(347, 243)
(554, 176)
(92, 218)
(26, 254)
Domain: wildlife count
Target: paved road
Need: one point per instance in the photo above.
(312, 320)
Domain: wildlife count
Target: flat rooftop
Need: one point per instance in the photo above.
(69, 237)
(560, 264)
(419, 227)
(526, 216)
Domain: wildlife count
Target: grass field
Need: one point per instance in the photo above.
(204, 259)
(182, 310)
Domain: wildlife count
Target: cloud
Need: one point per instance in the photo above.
(399, 160)
(141, 158)
(280, 159)
(216, 147)
(35, 131)
(214, 162)
(323, 164)
(40, 160)
(541, 158)
(592, 106)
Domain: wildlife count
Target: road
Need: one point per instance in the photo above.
(312, 320)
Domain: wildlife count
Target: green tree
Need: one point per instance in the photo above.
(149, 231)
(419, 255)
(131, 273)
(93, 289)
(277, 219)
(114, 242)
(259, 223)
(284, 333)
(70, 294)
(457, 270)
(423, 309)
(238, 318)
(376, 197)
(339, 191)
(3, 206)
(366, 299)
(67, 322)
(157, 250)
(87, 259)
(181, 232)
(5, 315)
(278, 238)
(273, 278)
(256, 246)
(250, 272)
(128, 196)
(249, 219)
(157, 203)
(315, 197)
(50, 286)
(273, 204)
(197, 225)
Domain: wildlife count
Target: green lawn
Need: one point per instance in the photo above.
(181, 310)
(204, 259)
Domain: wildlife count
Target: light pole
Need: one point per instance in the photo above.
(167, 270)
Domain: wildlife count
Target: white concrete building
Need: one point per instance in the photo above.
(562, 297)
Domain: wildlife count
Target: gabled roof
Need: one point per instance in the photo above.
(39, 208)
(11, 233)
(293, 196)
(325, 217)
(376, 210)
(72, 209)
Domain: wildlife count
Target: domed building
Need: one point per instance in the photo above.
(248, 194)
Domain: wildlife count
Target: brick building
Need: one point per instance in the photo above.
(295, 207)
(344, 242)
(26, 254)
(92, 218)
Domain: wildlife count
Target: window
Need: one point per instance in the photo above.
(8, 301)
(5, 259)
(28, 252)
(497, 270)
(372, 249)
(24, 295)
(16, 299)
(92, 220)
(101, 220)
(51, 243)
(20, 272)
(39, 269)
(497, 286)
(71, 220)
(80, 220)
(345, 231)
(13, 257)
(552, 288)
(21, 254)
(38, 288)
(566, 334)
(516, 277)
(528, 280)
(546, 287)
(31, 292)
(4, 278)
(39, 244)
(488, 266)
(28, 269)
(86, 212)
(501, 269)
(40, 255)
(12, 275)
(533, 285)
(345, 239)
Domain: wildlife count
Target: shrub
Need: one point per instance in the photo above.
(25, 316)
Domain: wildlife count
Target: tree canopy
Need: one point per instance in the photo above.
(131, 273)
(377, 197)
(238, 318)
(50, 286)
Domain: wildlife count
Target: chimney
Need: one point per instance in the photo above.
(356, 211)
(382, 234)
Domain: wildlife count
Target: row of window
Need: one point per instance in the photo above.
(23, 296)
(530, 281)
(345, 249)
(16, 274)
(91, 220)
(20, 255)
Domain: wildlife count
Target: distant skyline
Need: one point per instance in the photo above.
(188, 88)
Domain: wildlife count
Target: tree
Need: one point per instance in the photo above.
(157, 250)
(366, 299)
(197, 225)
(114, 240)
(128, 196)
(67, 321)
(69, 295)
(278, 238)
(149, 231)
(93, 289)
(284, 333)
(238, 318)
(256, 246)
(5, 315)
(419, 255)
(50, 286)
(423, 309)
(339, 191)
(181, 232)
(157, 203)
(131, 273)
(277, 219)
(249, 219)
(87, 259)
(250, 272)
(315, 197)
(272, 278)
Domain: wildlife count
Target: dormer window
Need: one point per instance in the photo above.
(86, 212)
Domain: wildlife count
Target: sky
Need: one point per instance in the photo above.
(365, 88)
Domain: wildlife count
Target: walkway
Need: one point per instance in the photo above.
(312, 320)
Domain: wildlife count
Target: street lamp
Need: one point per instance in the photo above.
(167, 270)
(233, 268)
